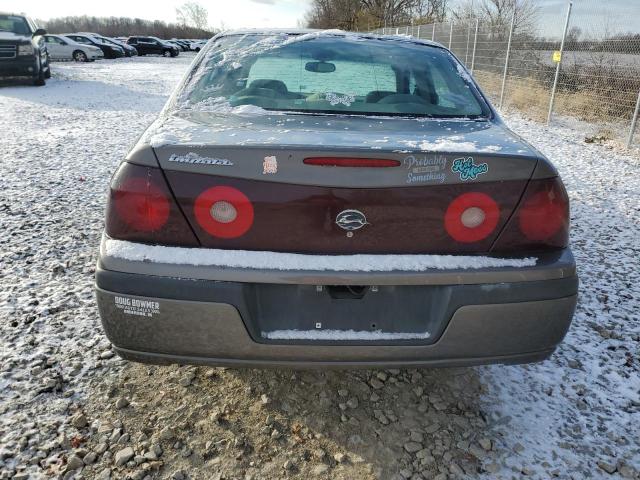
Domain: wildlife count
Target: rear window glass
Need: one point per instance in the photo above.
(332, 74)
(356, 77)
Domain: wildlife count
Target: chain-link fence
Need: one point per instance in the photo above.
(593, 75)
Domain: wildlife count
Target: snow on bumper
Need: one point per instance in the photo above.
(163, 312)
(292, 261)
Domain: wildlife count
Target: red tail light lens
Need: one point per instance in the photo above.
(224, 212)
(471, 217)
(541, 220)
(543, 214)
(141, 208)
(351, 162)
(141, 204)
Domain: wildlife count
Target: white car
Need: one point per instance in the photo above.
(63, 48)
(197, 45)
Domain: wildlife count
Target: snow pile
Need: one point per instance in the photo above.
(298, 262)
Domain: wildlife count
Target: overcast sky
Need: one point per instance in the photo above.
(592, 16)
(233, 13)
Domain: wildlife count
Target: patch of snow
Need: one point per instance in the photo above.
(453, 143)
(343, 335)
(222, 106)
(301, 262)
(462, 71)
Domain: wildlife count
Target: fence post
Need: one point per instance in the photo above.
(555, 80)
(418, 35)
(466, 52)
(450, 35)
(475, 42)
(433, 34)
(397, 30)
(634, 121)
(506, 60)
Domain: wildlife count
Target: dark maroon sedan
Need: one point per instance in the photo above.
(324, 198)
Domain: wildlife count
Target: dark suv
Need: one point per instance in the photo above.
(153, 46)
(22, 49)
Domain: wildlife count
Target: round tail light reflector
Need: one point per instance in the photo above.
(471, 217)
(224, 212)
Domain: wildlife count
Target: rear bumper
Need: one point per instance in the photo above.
(163, 318)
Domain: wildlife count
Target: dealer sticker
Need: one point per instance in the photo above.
(269, 165)
(137, 307)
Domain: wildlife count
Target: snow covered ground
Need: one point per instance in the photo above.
(576, 415)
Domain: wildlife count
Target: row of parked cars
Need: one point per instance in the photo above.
(88, 46)
(26, 50)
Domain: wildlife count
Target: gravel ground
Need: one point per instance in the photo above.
(69, 408)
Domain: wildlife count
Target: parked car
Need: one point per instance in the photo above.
(109, 50)
(63, 48)
(129, 51)
(23, 52)
(175, 44)
(197, 45)
(184, 46)
(364, 205)
(153, 46)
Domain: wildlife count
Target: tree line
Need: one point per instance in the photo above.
(374, 14)
(124, 27)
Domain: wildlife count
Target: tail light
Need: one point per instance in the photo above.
(224, 212)
(471, 217)
(540, 221)
(351, 162)
(142, 208)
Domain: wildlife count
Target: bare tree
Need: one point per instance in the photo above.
(389, 12)
(369, 14)
(497, 14)
(193, 14)
(428, 11)
(334, 14)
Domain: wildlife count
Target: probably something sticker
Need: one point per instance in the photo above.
(425, 168)
(136, 306)
(467, 169)
(269, 165)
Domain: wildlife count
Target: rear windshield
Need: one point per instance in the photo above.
(332, 74)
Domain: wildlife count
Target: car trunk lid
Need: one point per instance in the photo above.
(301, 206)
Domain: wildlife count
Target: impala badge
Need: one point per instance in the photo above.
(351, 220)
